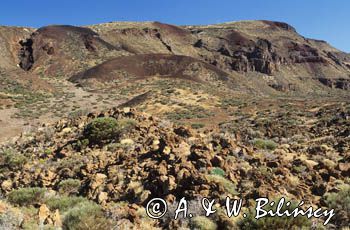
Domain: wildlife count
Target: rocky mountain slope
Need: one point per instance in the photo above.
(152, 60)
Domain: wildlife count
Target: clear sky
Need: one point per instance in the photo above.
(320, 19)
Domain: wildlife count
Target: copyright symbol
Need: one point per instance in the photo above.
(156, 208)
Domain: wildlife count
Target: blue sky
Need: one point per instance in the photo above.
(321, 19)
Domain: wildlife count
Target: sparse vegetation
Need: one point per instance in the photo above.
(193, 112)
(197, 125)
(77, 113)
(11, 218)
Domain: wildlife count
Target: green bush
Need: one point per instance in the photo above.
(217, 171)
(64, 203)
(11, 159)
(264, 144)
(106, 129)
(85, 215)
(268, 222)
(69, 186)
(340, 201)
(26, 196)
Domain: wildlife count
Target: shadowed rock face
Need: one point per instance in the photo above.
(239, 53)
(26, 54)
(336, 83)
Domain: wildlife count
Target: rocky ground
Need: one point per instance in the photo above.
(78, 164)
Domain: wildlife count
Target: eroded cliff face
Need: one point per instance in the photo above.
(234, 48)
(235, 52)
(26, 54)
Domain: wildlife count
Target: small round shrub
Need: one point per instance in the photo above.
(85, 215)
(101, 129)
(106, 129)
